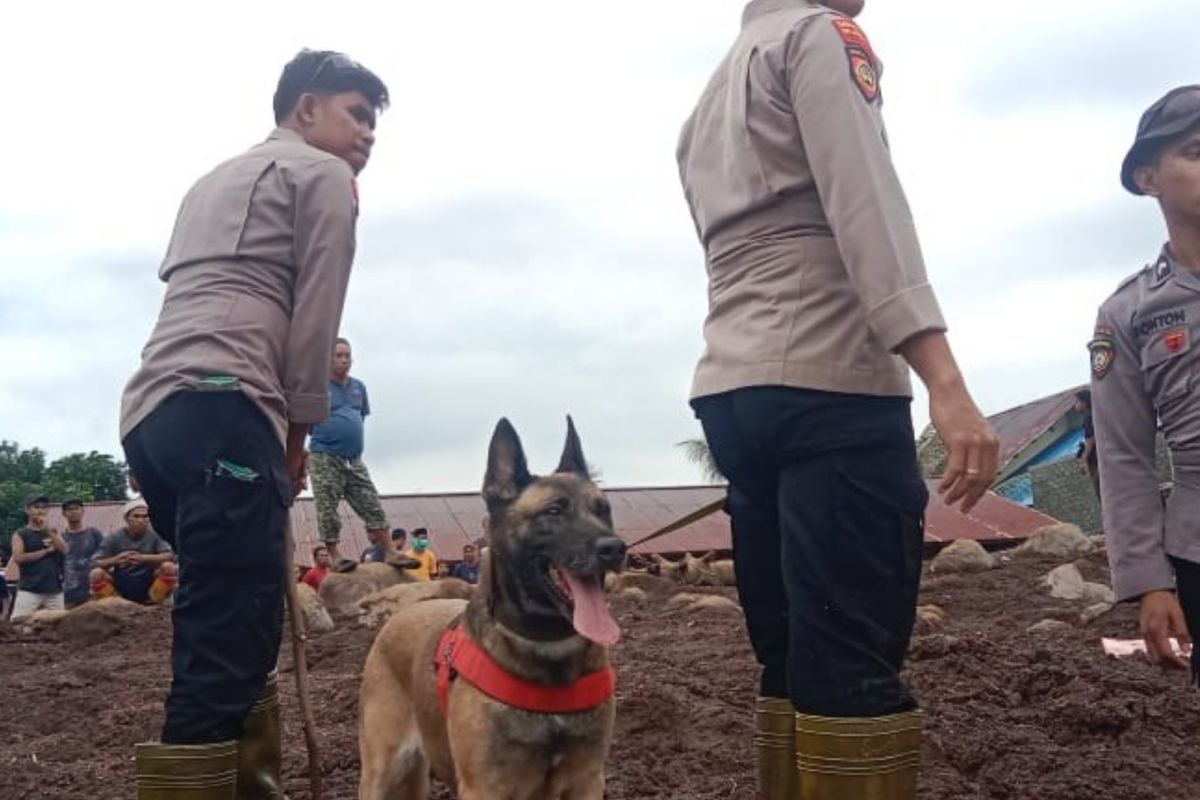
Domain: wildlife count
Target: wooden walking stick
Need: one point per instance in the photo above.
(300, 663)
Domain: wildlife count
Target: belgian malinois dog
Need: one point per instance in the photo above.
(540, 616)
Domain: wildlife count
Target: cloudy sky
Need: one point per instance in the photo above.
(524, 249)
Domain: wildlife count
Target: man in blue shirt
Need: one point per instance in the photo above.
(335, 462)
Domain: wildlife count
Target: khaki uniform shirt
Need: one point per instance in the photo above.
(256, 275)
(815, 274)
(1144, 367)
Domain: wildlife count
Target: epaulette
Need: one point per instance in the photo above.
(1131, 278)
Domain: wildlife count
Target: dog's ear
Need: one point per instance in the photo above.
(507, 473)
(572, 456)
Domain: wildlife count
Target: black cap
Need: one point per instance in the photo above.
(1176, 112)
(71, 501)
(35, 498)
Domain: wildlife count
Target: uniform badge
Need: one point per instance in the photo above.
(1175, 340)
(861, 57)
(1102, 351)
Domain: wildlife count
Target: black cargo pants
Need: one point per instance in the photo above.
(827, 506)
(1187, 588)
(212, 471)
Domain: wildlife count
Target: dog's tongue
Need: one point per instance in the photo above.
(592, 619)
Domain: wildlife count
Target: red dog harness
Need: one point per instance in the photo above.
(458, 656)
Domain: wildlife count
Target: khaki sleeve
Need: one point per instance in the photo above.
(324, 252)
(844, 141)
(1126, 423)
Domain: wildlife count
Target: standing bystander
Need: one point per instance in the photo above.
(82, 545)
(39, 552)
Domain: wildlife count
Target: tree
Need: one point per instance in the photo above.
(88, 476)
(697, 452)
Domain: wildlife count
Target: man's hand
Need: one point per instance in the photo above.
(297, 467)
(1161, 617)
(295, 457)
(971, 446)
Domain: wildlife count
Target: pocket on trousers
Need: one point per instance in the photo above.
(234, 518)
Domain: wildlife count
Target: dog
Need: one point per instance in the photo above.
(540, 617)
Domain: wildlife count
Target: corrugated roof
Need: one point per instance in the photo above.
(455, 519)
(1019, 426)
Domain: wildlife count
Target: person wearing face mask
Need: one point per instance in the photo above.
(214, 421)
(427, 562)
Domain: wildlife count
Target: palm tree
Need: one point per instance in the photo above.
(697, 452)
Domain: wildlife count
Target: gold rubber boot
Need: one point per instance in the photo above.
(775, 747)
(873, 758)
(186, 771)
(260, 753)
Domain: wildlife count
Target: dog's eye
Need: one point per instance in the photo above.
(555, 509)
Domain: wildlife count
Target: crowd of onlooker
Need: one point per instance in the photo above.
(44, 568)
(415, 557)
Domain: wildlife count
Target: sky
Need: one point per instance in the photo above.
(524, 249)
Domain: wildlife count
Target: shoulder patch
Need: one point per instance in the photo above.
(863, 69)
(1102, 350)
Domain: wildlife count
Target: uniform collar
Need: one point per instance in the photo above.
(284, 134)
(760, 8)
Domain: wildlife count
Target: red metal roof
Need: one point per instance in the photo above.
(993, 518)
(456, 519)
(1019, 426)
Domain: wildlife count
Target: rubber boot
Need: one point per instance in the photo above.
(260, 752)
(162, 588)
(102, 589)
(873, 758)
(186, 771)
(775, 747)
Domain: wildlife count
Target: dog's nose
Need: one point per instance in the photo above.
(611, 552)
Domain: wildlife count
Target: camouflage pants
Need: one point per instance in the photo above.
(335, 479)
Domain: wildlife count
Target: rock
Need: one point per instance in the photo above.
(1065, 582)
(1097, 593)
(97, 621)
(632, 594)
(316, 616)
(716, 601)
(929, 619)
(964, 555)
(1061, 541)
(377, 607)
(692, 601)
(1049, 626)
(615, 582)
(1094, 612)
(340, 592)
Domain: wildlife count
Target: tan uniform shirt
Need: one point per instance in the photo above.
(815, 274)
(1144, 365)
(256, 276)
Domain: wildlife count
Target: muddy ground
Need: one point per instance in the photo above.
(1011, 715)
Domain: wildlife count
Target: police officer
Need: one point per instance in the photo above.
(818, 305)
(1145, 366)
(213, 423)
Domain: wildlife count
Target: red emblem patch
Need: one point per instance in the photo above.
(1102, 351)
(1175, 340)
(863, 70)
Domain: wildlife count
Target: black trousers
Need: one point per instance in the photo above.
(1187, 588)
(227, 526)
(827, 506)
